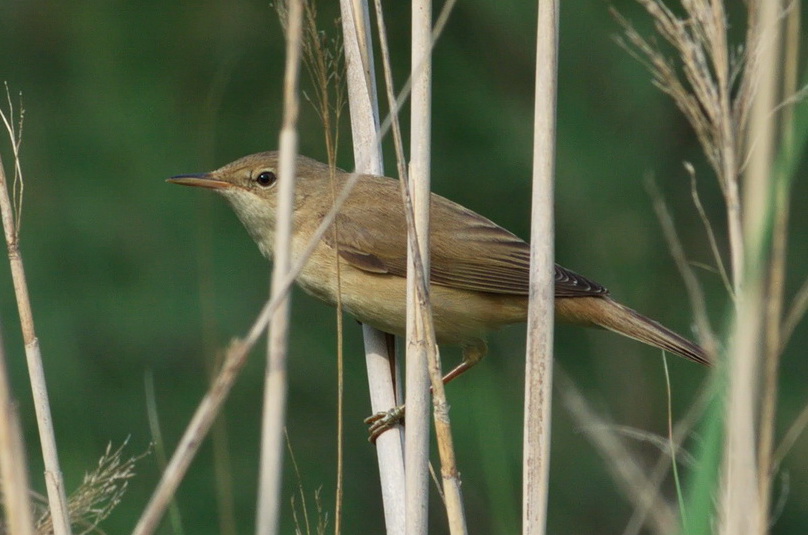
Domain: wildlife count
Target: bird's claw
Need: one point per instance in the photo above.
(383, 421)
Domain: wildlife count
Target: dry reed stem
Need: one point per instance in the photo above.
(363, 105)
(13, 463)
(340, 477)
(326, 67)
(36, 371)
(539, 355)
(741, 508)
(326, 70)
(362, 98)
(389, 445)
(740, 501)
(420, 323)
(276, 384)
(419, 328)
(450, 491)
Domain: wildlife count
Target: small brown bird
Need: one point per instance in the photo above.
(479, 271)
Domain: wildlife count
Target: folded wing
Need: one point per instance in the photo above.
(493, 259)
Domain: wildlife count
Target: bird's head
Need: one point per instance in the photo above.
(250, 185)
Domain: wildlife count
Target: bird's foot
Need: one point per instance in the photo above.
(384, 421)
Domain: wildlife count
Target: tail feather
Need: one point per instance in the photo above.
(609, 314)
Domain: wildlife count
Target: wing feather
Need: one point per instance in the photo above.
(493, 259)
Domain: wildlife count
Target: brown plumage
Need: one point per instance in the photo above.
(479, 271)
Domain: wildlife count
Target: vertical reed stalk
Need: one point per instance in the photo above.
(363, 105)
(539, 358)
(416, 432)
(36, 370)
(325, 64)
(741, 507)
(276, 384)
(423, 321)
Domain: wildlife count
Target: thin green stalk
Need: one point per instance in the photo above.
(673, 447)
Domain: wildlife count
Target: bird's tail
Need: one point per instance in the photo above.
(609, 314)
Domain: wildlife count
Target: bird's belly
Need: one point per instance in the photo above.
(379, 300)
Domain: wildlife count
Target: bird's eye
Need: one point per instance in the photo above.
(266, 179)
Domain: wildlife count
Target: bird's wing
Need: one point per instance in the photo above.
(493, 259)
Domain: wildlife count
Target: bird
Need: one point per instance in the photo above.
(479, 271)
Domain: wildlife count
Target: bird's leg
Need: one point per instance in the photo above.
(473, 353)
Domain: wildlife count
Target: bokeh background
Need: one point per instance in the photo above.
(131, 277)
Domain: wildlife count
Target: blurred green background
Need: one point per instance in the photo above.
(131, 276)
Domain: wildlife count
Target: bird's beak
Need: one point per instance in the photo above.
(200, 180)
